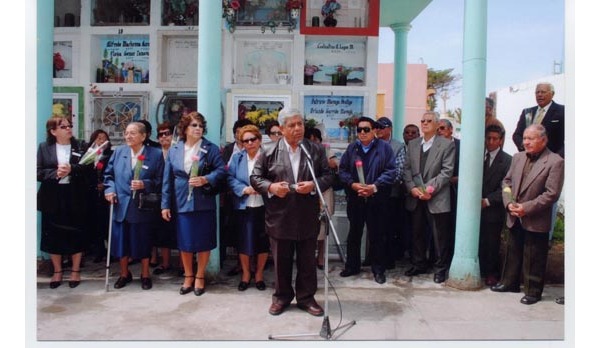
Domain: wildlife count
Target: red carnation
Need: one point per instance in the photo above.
(100, 166)
(141, 157)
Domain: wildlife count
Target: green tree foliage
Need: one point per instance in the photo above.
(444, 83)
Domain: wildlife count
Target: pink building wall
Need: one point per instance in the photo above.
(416, 90)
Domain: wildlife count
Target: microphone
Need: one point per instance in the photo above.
(305, 151)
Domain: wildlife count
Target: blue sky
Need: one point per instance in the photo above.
(524, 40)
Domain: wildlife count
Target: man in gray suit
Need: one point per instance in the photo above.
(531, 186)
(427, 172)
(493, 214)
(282, 175)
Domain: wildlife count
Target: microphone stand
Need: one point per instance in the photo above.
(326, 331)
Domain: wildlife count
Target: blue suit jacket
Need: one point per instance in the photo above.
(118, 176)
(238, 179)
(175, 179)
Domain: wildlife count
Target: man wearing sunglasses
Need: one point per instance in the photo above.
(368, 170)
(427, 174)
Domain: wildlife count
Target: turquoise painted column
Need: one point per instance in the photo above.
(400, 61)
(464, 271)
(209, 83)
(43, 83)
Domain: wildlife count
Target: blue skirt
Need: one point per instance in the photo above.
(131, 239)
(251, 231)
(197, 231)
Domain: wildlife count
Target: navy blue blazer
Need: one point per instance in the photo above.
(175, 179)
(554, 122)
(118, 176)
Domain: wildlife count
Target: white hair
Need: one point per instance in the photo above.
(286, 114)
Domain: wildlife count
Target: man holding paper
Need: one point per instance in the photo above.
(367, 169)
(427, 173)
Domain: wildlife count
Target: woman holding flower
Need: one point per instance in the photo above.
(249, 210)
(133, 170)
(192, 166)
(61, 197)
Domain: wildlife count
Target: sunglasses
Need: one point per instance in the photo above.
(164, 134)
(363, 129)
(426, 121)
(249, 140)
(196, 125)
(65, 127)
(278, 134)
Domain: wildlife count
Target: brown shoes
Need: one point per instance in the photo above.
(312, 308)
(277, 308)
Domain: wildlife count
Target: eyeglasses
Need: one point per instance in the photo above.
(363, 129)
(442, 128)
(164, 134)
(196, 125)
(65, 127)
(277, 134)
(249, 140)
(426, 121)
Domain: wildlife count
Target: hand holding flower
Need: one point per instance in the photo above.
(194, 179)
(136, 183)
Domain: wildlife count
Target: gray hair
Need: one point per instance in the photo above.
(285, 114)
(436, 115)
(551, 86)
(538, 128)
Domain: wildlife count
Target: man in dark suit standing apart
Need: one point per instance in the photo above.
(446, 130)
(493, 214)
(531, 187)
(549, 114)
(427, 175)
(292, 210)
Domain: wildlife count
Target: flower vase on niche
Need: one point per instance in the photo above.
(308, 79)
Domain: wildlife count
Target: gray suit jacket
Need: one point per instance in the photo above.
(537, 192)
(437, 172)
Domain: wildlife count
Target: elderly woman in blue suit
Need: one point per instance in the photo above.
(133, 169)
(193, 167)
(248, 205)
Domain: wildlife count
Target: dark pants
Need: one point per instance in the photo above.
(394, 224)
(489, 248)
(368, 211)
(441, 229)
(306, 277)
(527, 251)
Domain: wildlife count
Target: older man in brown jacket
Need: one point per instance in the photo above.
(531, 186)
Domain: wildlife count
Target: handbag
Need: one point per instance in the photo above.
(149, 201)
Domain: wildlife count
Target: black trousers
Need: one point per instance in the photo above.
(306, 277)
(489, 247)
(369, 211)
(441, 228)
(526, 251)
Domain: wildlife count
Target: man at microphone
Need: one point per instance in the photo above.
(282, 175)
(368, 170)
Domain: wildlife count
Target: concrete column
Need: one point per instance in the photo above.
(209, 84)
(400, 60)
(43, 83)
(464, 271)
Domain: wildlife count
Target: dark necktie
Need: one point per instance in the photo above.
(486, 163)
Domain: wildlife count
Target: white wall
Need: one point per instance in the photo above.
(513, 99)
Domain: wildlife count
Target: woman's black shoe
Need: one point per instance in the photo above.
(243, 286)
(56, 284)
(186, 289)
(122, 281)
(198, 291)
(260, 285)
(74, 283)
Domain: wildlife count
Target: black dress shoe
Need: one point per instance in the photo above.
(74, 283)
(312, 308)
(529, 300)
(146, 283)
(414, 271)
(348, 272)
(379, 278)
(439, 277)
(243, 286)
(185, 290)
(56, 284)
(199, 291)
(122, 281)
(277, 308)
(560, 300)
(504, 288)
(260, 285)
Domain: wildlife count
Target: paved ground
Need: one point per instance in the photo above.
(407, 309)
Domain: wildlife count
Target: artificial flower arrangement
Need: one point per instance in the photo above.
(293, 5)
(344, 71)
(329, 8)
(349, 122)
(229, 9)
(310, 70)
(261, 117)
